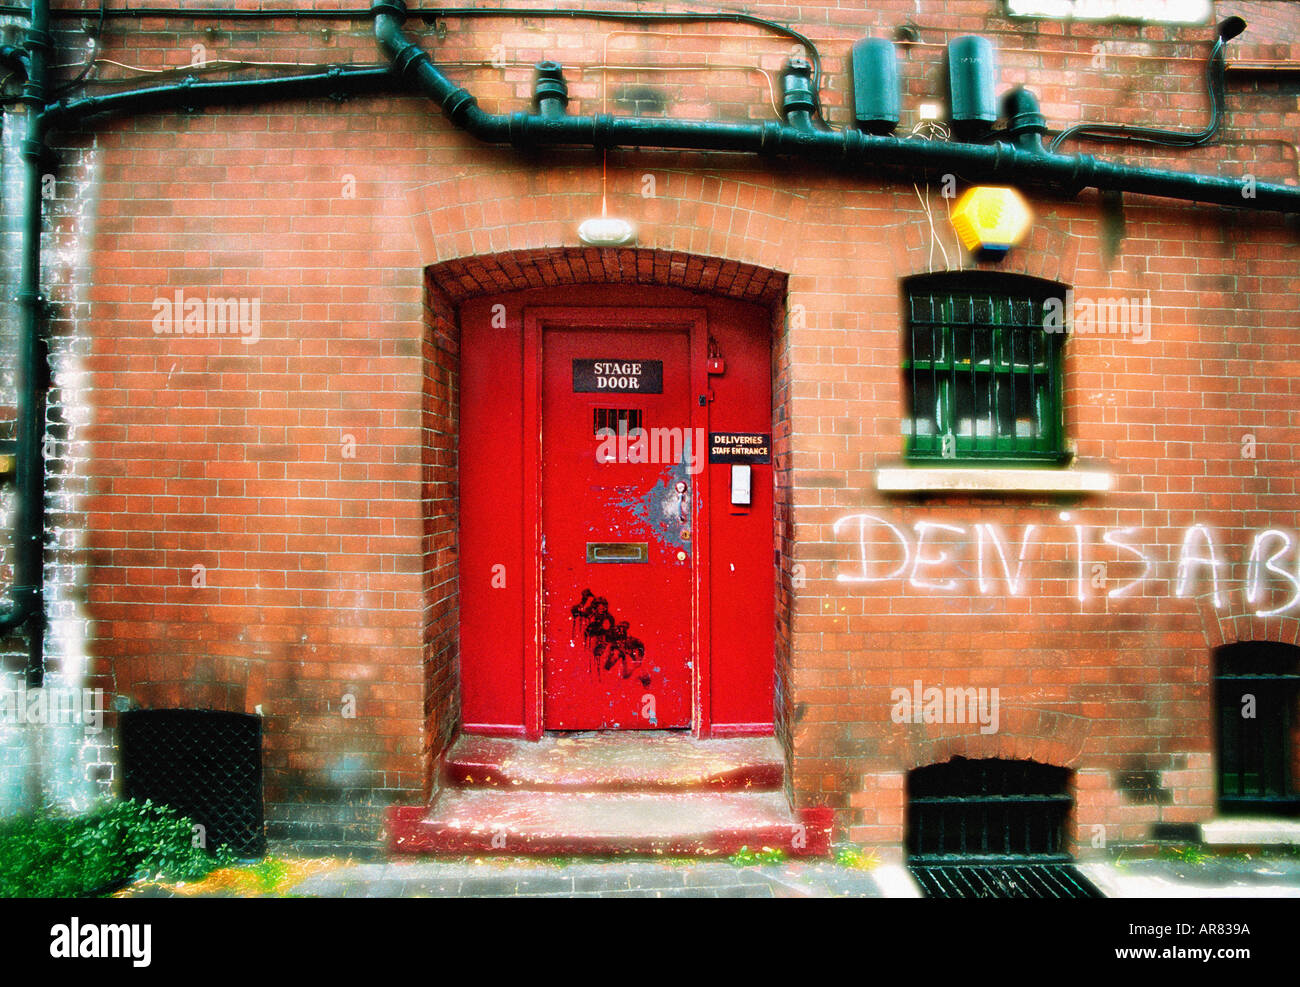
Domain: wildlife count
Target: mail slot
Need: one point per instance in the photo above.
(618, 551)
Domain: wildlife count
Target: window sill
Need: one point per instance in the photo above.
(1005, 479)
(1246, 831)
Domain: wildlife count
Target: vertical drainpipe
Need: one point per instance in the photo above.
(29, 503)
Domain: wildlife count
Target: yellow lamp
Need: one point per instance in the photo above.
(991, 219)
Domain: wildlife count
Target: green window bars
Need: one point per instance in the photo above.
(1256, 695)
(981, 371)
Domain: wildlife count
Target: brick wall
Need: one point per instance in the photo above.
(312, 474)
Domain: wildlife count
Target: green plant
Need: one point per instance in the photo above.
(852, 857)
(1189, 854)
(271, 873)
(745, 857)
(51, 854)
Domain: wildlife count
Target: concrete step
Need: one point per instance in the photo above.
(644, 761)
(558, 823)
(1245, 831)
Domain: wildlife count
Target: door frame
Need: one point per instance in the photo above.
(536, 320)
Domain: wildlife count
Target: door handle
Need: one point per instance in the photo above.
(618, 551)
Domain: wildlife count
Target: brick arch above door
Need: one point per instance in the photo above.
(744, 217)
(549, 267)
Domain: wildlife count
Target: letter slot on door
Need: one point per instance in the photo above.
(618, 551)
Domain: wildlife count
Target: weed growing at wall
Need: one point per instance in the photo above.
(51, 855)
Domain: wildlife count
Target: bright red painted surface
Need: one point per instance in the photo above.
(529, 478)
(617, 635)
(741, 539)
(492, 565)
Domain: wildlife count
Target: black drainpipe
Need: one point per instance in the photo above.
(26, 606)
(1020, 163)
(29, 502)
(335, 81)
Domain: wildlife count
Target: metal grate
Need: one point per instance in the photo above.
(983, 377)
(1256, 685)
(620, 421)
(205, 764)
(1026, 880)
(990, 808)
(991, 829)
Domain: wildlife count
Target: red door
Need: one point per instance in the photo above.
(619, 462)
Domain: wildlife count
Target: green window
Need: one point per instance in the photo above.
(981, 372)
(1256, 687)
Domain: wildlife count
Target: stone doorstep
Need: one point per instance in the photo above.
(607, 793)
(691, 823)
(1247, 832)
(616, 761)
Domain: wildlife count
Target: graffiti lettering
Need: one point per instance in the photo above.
(930, 557)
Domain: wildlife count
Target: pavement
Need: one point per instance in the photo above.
(495, 877)
(576, 878)
(1216, 877)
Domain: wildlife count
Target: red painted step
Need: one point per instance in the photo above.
(610, 793)
(515, 823)
(613, 762)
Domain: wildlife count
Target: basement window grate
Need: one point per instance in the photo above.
(992, 829)
(1256, 686)
(619, 421)
(205, 764)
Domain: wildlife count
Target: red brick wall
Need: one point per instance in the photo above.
(441, 428)
(333, 574)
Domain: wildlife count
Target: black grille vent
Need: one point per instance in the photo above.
(620, 421)
(992, 829)
(987, 808)
(205, 764)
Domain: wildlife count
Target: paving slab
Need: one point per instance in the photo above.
(605, 879)
(1212, 878)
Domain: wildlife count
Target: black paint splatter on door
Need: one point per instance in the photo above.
(607, 639)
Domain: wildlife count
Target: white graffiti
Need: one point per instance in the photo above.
(929, 556)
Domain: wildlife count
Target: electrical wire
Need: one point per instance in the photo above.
(140, 70)
(928, 130)
(1118, 133)
(767, 76)
(947, 204)
(90, 56)
(433, 14)
(216, 64)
